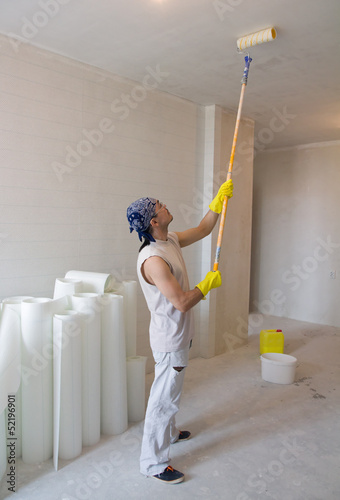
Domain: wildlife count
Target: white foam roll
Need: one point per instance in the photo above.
(36, 374)
(59, 305)
(257, 38)
(90, 305)
(135, 369)
(37, 377)
(67, 409)
(17, 299)
(11, 308)
(128, 289)
(67, 286)
(3, 454)
(114, 419)
(93, 282)
(10, 350)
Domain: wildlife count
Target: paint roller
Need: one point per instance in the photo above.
(256, 38)
(242, 43)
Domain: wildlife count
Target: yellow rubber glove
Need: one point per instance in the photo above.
(212, 280)
(225, 190)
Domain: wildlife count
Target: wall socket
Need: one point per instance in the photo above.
(332, 275)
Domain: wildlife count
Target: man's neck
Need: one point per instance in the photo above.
(160, 235)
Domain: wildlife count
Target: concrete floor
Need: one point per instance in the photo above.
(250, 439)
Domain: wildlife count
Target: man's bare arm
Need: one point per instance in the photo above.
(194, 234)
(157, 272)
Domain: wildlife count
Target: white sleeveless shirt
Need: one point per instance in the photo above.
(170, 329)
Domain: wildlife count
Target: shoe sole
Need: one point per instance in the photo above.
(174, 481)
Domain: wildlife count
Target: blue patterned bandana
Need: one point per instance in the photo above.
(139, 215)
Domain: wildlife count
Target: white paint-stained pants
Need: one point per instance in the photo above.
(160, 428)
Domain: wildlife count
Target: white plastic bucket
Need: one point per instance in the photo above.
(278, 368)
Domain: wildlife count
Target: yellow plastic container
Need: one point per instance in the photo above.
(271, 341)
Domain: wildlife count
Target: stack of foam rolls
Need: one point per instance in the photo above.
(69, 364)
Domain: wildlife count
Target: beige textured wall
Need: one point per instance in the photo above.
(296, 237)
(77, 146)
(224, 318)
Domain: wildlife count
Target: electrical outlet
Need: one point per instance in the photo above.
(332, 275)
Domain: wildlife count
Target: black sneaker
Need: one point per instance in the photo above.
(170, 475)
(183, 436)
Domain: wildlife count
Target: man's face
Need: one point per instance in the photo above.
(162, 214)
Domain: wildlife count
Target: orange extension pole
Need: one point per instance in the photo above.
(231, 162)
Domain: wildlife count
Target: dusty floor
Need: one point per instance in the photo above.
(250, 439)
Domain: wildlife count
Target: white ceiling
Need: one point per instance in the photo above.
(194, 42)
